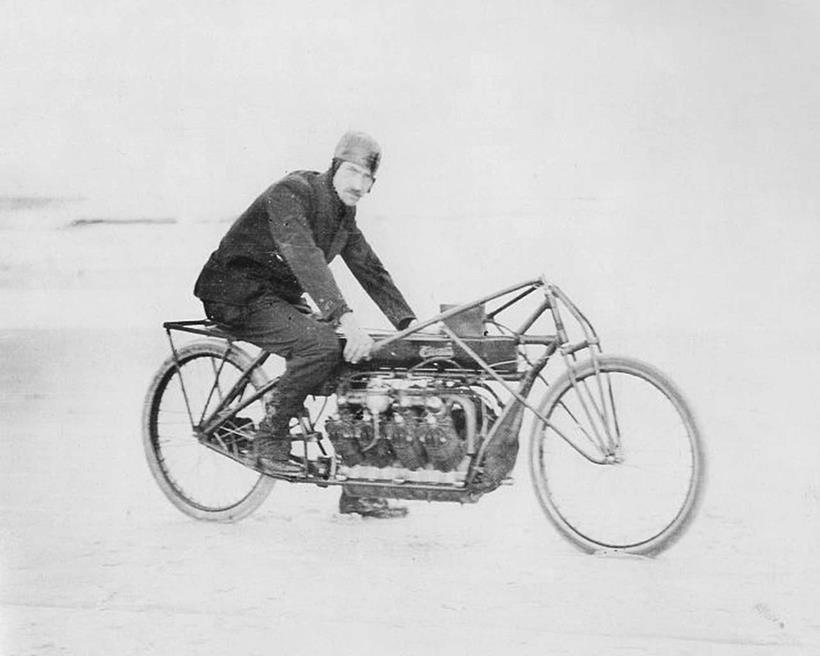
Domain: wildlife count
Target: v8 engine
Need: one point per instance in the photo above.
(408, 428)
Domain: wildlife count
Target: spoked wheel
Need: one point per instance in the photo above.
(630, 489)
(199, 481)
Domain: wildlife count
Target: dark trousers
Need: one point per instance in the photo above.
(310, 348)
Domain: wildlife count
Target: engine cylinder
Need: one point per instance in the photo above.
(442, 443)
(341, 431)
(403, 433)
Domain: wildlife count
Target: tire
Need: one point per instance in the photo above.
(199, 481)
(611, 507)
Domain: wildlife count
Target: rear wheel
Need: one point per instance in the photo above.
(644, 487)
(199, 481)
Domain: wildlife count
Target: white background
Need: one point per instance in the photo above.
(657, 160)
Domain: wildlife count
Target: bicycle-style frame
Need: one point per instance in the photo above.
(600, 429)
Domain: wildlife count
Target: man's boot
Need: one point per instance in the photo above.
(272, 456)
(272, 441)
(369, 507)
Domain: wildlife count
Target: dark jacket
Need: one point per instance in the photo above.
(282, 245)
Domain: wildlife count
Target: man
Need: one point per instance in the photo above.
(252, 285)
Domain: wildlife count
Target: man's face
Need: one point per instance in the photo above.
(351, 182)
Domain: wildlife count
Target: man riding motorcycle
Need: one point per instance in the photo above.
(276, 251)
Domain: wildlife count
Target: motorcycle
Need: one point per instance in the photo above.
(435, 414)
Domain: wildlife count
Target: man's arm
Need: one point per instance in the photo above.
(287, 219)
(376, 281)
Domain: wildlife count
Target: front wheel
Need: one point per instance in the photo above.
(199, 481)
(619, 465)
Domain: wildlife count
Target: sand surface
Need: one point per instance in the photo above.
(94, 560)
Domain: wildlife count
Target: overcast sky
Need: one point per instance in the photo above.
(482, 107)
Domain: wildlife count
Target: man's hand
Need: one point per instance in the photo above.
(359, 343)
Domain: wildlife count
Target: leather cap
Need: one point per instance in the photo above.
(359, 148)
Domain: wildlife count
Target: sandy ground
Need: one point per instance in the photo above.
(96, 561)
